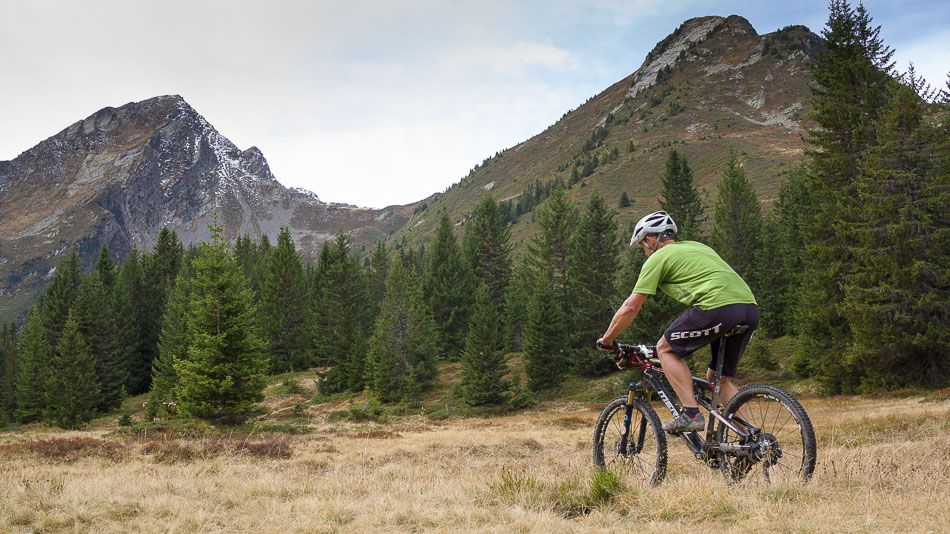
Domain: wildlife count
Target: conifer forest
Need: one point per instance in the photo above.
(851, 264)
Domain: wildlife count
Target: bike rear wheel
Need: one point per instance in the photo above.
(644, 455)
(783, 449)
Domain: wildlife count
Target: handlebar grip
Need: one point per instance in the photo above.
(613, 347)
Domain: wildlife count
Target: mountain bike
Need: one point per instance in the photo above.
(763, 433)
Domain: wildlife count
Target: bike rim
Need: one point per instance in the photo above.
(782, 454)
(642, 462)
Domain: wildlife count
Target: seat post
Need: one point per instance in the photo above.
(738, 329)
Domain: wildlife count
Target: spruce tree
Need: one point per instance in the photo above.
(283, 317)
(681, 199)
(105, 268)
(91, 313)
(404, 345)
(59, 297)
(343, 318)
(737, 220)
(483, 361)
(72, 387)
(447, 287)
(488, 249)
(124, 335)
(896, 294)
(594, 270)
(549, 252)
(546, 341)
(852, 81)
(224, 375)
(378, 269)
(516, 308)
(159, 270)
(8, 372)
(34, 354)
(131, 318)
(173, 342)
(781, 261)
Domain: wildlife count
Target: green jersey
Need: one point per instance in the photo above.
(693, 274)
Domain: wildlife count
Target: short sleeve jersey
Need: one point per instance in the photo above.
(693, 274)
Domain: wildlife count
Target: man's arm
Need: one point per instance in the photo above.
(624, 316)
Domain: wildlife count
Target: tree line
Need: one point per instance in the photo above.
(852, 260)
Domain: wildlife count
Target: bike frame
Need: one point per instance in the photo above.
(704, 449)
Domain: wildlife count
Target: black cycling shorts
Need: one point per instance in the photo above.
(696, 328)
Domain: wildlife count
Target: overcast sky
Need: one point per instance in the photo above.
(370, 102)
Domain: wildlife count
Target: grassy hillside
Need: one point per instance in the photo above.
(731, 89)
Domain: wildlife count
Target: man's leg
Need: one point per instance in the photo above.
(727, 389)
(678, 373)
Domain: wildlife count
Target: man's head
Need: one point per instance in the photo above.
(652, 231)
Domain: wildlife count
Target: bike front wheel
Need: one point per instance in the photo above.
(781, 447)
(643, 453)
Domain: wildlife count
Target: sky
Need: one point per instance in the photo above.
(371, 103)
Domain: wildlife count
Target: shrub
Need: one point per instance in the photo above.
(68, 450)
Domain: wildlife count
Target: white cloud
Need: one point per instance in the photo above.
(363, 101)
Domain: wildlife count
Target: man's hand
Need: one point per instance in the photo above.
(607, 347)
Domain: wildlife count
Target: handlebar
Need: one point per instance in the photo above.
(631, 356)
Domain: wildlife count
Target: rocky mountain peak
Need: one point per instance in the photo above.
(123, 173)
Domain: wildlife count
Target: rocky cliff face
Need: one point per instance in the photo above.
(122, 174)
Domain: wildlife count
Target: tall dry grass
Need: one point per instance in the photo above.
(883, 466)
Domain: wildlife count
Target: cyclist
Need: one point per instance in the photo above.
(718, 299)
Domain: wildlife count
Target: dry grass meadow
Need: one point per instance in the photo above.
(883, 466)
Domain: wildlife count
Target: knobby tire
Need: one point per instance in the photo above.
(648, 463)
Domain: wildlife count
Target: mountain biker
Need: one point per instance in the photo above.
(718, 299)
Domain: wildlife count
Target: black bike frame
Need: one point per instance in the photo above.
(700, 447)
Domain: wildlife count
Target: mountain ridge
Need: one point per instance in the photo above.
(712, 84)
(121, 174)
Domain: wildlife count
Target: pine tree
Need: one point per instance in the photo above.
(8, 372)
(34, 362)
(59, 297)
(546, 341)
(483, 361)
(283, 317)
(173, 342)
(781, 261)
(852, 81)
(124, 332)
(549, 252)
(681, 199)
(91, 313)
(897, 292)
(594, 270)
(447, 288)
(159, 270)
(624, 200)
(488, 249)
(105, 268)
(378, 269)
(131, 320)
(737, 220)
(72, 387)
(516, 308)
(343, 318)
(404, 345)
(223, 377)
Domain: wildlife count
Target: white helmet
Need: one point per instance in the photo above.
(654, 223)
